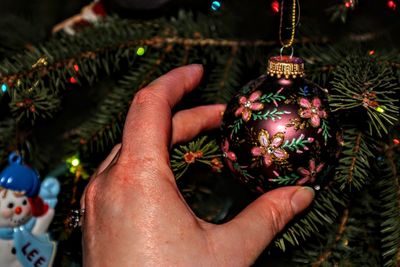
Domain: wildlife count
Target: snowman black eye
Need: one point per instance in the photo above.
(10, 205)
(24, 202)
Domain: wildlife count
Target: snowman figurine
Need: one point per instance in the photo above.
(26, 211)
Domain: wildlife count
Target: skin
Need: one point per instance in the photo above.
(134, 213)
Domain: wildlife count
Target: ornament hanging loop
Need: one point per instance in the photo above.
(290, 41)
(291, 53)
(14, 158)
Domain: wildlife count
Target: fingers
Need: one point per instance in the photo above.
(255, 227)
(148, 125)
(111, 159)
(186, 124)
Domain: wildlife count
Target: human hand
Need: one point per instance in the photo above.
(134, 213)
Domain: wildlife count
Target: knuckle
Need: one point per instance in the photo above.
(91, 193)
(145, 96)
(138, 172)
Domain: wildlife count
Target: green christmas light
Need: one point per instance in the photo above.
(140, 51)
(380, 109)
(75, 162)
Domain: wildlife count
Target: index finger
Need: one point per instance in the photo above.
(147, 127)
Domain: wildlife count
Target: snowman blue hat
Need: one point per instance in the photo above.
(19, 177)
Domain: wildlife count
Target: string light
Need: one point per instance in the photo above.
(380, 109)
(371, 52)
(140, 51)
(75, 162)
(4, 87)
(76, 67)
(392, 5)
(348, 4)
(275, 6)
(73, 80)
(396, 141)
(75, 167)
(215, 5)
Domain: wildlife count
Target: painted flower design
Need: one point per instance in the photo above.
(226, 153)
(270, 149)
(311, 174)
(247, 105)
(312, 110)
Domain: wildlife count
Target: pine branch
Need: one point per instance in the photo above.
(340, 11)
(198, 151)
(7, 134)
(354, 167)
(322, 60)
(389, 205)
(29, 104)
(105, 124)
(323, 211)
(345, 242)
(367, 88)
(342, 226)
(223, 79)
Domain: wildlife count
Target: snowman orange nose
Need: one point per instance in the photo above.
(18, 210)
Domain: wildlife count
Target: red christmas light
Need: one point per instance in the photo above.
(371, 52)
(76, 67)
(275, 6)
(396, 141)
(391, 5)
(349, 4)
(73, 80)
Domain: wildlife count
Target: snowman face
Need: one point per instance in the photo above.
(15, 209)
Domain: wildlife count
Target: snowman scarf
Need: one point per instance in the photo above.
(31, 250)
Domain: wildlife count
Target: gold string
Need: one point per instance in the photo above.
(291, 39)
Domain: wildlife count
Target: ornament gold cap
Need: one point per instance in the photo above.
(285, 66)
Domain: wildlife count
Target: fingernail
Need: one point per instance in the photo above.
(198, 67)
(302, 198)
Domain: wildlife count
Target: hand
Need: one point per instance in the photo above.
(135, 215)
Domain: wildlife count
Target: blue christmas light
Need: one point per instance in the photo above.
(4, 87)
(215, 5)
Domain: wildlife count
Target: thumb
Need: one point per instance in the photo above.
(254, 228)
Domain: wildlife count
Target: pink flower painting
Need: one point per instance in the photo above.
(270, 149)
(228, 154)
(247, 105)
(312, 110)
(311, 174)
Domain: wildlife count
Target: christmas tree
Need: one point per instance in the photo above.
(65, 92)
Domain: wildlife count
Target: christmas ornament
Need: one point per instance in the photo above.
(26, 211)
(89, 15)
(278, 131)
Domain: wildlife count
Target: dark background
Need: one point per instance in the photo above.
(31, 21)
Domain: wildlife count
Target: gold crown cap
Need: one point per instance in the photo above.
(286, 67)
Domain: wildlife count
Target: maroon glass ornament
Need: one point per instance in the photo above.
(278, 130)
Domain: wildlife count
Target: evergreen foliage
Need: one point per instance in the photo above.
(354, 220)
